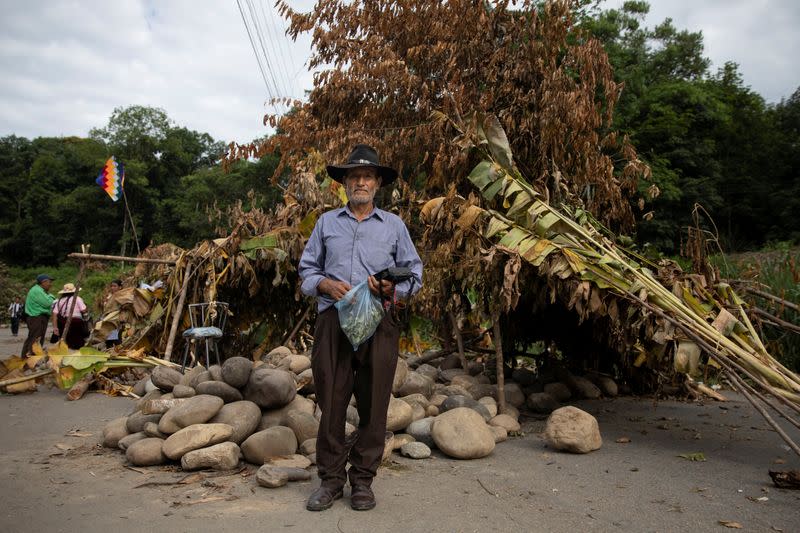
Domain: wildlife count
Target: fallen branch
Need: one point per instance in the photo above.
(77, 391)
(778, 321)
(13, 381)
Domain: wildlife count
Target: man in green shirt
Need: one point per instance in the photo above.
(38, 305)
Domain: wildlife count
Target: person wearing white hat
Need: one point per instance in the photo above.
(76, 336)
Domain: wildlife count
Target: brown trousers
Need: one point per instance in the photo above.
(37, 327)
(340, 372)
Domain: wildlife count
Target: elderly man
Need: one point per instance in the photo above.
(37, 307)
(347, 246)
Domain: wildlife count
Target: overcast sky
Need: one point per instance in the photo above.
(65, 65)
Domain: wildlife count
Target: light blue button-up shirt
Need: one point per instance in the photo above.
(343, 249)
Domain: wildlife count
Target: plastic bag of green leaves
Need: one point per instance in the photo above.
(360, 312)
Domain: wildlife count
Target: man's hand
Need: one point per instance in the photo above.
(334, 289)
(386, 286)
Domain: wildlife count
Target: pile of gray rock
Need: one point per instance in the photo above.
(265, 414)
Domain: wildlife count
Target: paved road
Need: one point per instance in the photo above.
(56, 482)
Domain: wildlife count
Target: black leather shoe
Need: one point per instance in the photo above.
(322, 499)
(362, 498)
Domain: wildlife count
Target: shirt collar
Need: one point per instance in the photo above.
(377, 213)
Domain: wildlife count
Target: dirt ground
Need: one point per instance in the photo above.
(57, 478)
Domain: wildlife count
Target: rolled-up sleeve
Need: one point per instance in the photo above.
(407, 256)
(312, 262)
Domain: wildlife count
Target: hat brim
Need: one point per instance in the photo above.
(339, 172)
(62, 291)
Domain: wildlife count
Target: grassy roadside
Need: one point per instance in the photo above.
(775, 270)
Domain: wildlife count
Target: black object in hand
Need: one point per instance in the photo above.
(394, 274)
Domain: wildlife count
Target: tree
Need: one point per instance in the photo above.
(389, 67)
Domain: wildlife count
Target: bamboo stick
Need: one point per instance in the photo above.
(459, 339)
(14, 381)
(498, 346)
(779, 430)
(778, 322)
(772, 297)
(101, 257)
(176, 317)
(739, 384)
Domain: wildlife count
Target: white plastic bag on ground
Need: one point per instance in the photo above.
(360, 312)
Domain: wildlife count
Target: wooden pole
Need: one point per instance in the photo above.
(100, 257)
(459, 339)
(498, 350)
(298, 325)
(176, 317)
(133, 227)
(68, 319)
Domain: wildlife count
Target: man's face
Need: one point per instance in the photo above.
(114, 287)
(46, 284)
(361, 184)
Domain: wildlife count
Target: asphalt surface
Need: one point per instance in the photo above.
(57, 478)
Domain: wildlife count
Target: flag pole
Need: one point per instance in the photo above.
(130, 218)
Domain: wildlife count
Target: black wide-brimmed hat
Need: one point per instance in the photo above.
(362, 156)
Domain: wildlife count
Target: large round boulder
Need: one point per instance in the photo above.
(572, 430)
(399, 415)
(269, 388)
(195, 437)
(222, 456)
(236, 371)
(146, 452)
(165, 377)
(274, 441)
(454, 402)
(242, 416)
(277, 417)
(463, 434)
(115, 431)
(191, 374)
(421, 431)
(542, 403)
(416, 383)
(137, 420)
(277, 355)
(221, 390)
(400, 373)
(558, 390)
(195, 410)
(513, 394)
(304, 425)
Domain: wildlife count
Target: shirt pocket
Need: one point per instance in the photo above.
(378, 255)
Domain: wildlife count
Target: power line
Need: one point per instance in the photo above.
(255, 52)
(278, 48)
(259, 33)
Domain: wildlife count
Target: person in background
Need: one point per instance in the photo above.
(113, 338)
(15, 312)
(37, 307)
(76, 336)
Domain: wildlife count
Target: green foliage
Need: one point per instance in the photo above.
(708, 138)
(774, 269)
(176, 190)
